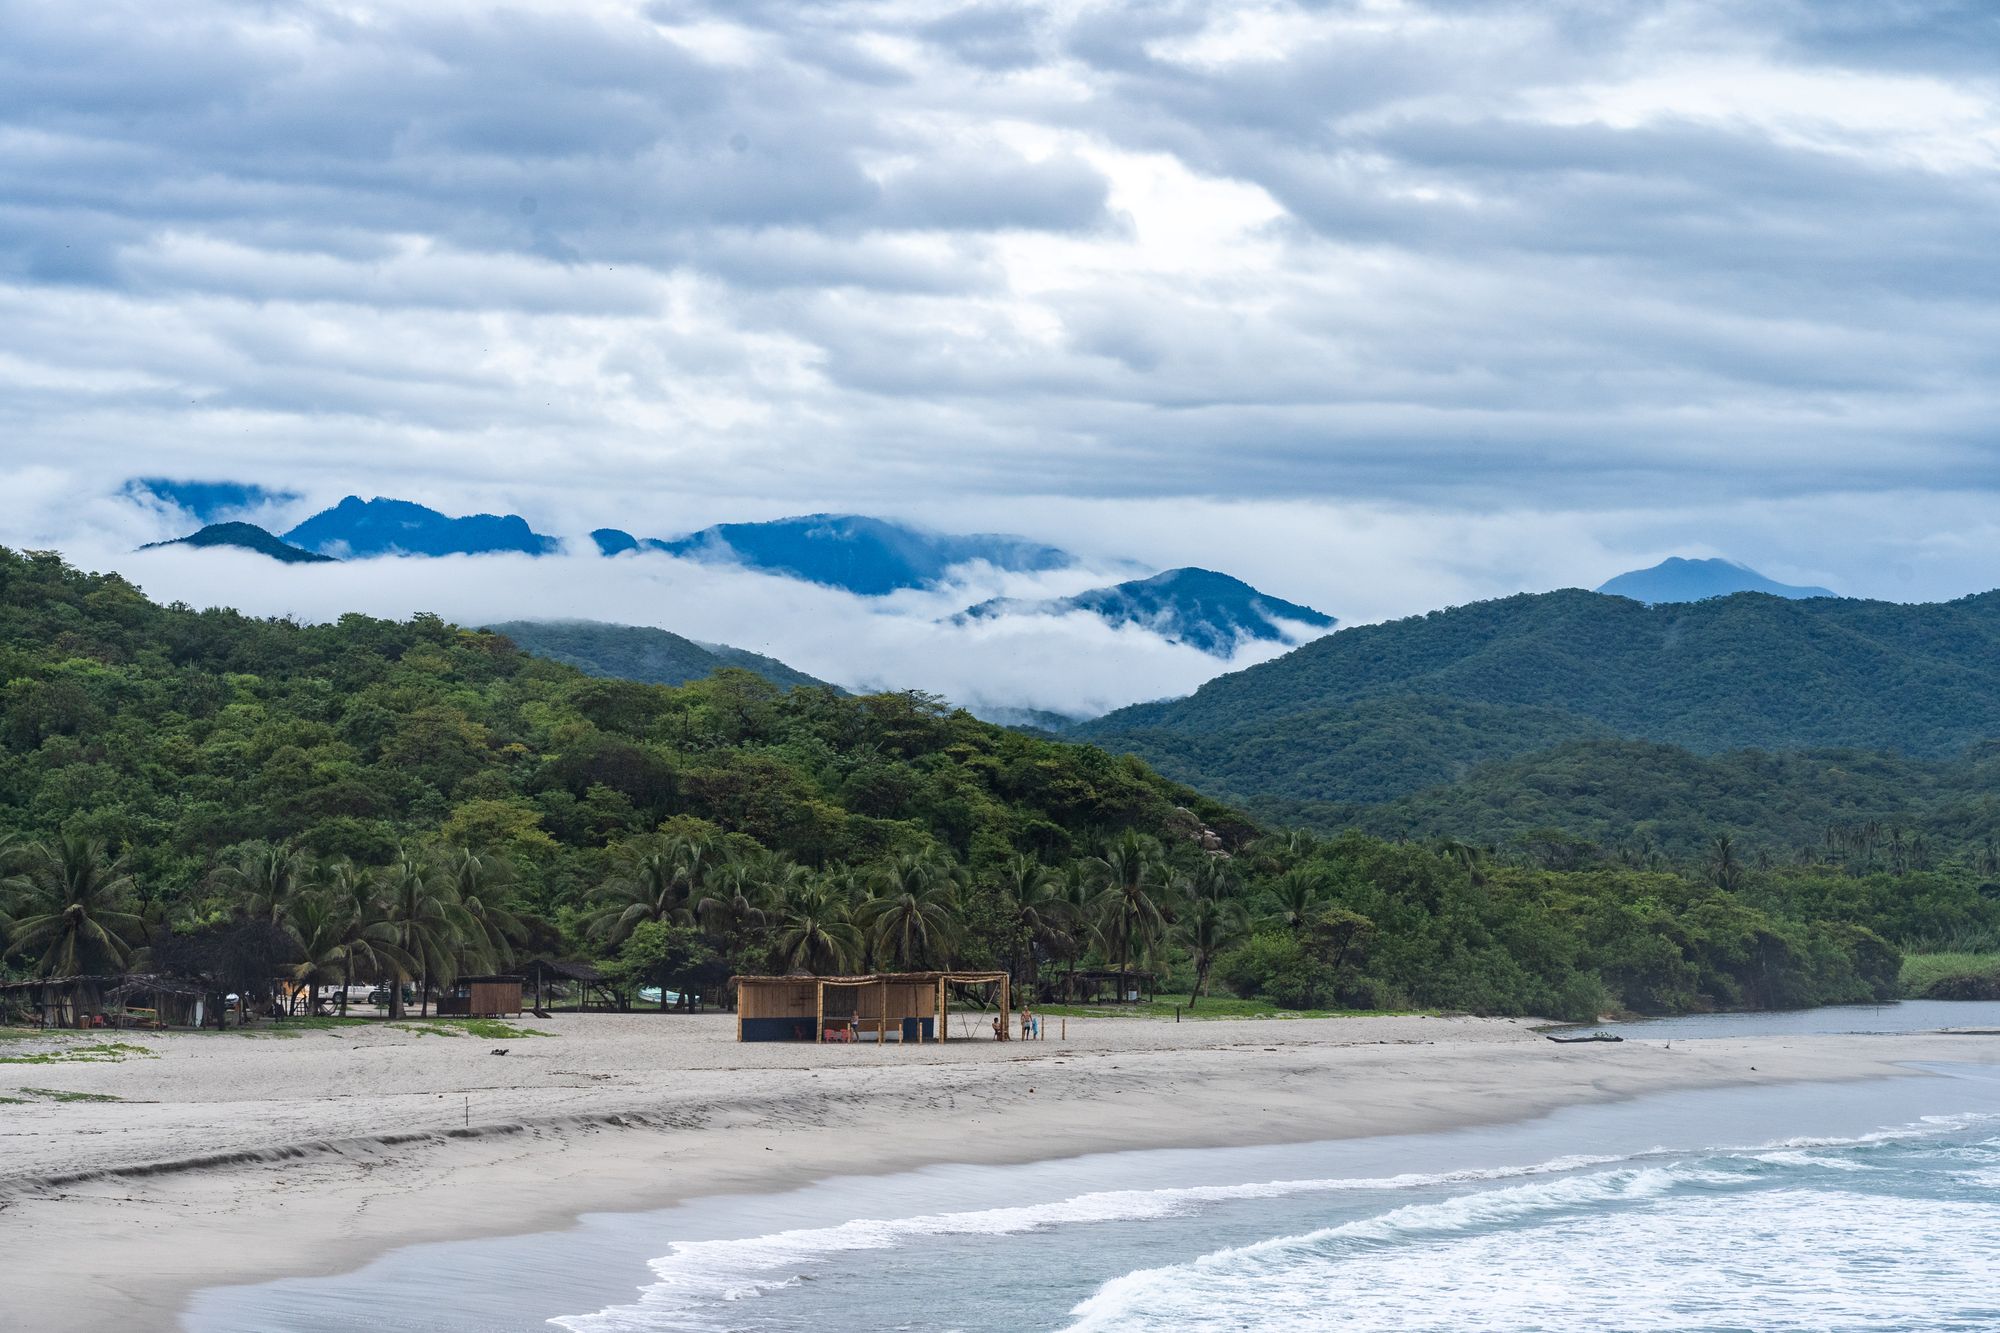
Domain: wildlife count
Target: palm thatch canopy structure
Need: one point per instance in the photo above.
(915, 1006)
(583, 976)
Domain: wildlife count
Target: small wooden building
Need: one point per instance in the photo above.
(481, 997)
(911, 1006)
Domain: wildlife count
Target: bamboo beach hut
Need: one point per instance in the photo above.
(914, 1006)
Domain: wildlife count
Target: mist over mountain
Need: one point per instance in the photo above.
(207, 501)
(641, 652)
(868, 556)
(1199, 607)
(247, 537)
(1677, 579)
(358, 528)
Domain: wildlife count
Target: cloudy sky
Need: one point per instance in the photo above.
(1381, 305)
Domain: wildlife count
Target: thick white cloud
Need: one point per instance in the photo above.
(1376, 303)
(1072, 664)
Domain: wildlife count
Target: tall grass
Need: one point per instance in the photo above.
(1966, 974)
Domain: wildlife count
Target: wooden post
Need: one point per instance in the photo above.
(739, 1013)
(881, 1012)
(1006, 1008)
(943, 1012)
(819, 1019)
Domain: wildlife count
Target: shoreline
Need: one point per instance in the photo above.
(433, 1138)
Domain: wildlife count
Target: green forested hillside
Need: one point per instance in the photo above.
(1748, 671)
(1639, 798)
(1372, 750)
(235, 798)
(1646, 726)
(639, 652)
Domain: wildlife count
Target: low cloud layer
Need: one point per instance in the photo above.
(1074, 664)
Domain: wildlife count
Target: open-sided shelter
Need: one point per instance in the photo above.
(914, 1006)
(582, 976)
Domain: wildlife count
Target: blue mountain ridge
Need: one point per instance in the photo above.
(357, 527)
(1677, 579)
(868, 556)
(247, 537)
(1198, 607)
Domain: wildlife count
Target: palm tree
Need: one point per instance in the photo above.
(70, 902)
(740, 894)
(1472, 858)
(656, 880)
(318, 921)
(1033, 897)
(817, 931)
(264, 879)
(915, 910)
(1209, 927)
(428, 926)
(1295, 895)
(1723, 866)
(369, 937)
(1076, 892)
(1133, 875)
(476, 881)
(1213, 880)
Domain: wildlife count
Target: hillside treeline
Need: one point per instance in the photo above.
(207, 793)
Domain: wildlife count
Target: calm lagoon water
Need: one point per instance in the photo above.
(1872, 1206)
(1833, 1020)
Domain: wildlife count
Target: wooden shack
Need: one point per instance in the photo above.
(909, 1006)
(481, 997)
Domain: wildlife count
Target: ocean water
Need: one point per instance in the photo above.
(1869, 1206)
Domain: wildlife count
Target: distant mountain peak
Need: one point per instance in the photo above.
(248, 537)
(872, 557)
(1199, 607)
(383, 526)
(1680, 579)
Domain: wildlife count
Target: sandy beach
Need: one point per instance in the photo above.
(230, 1158)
